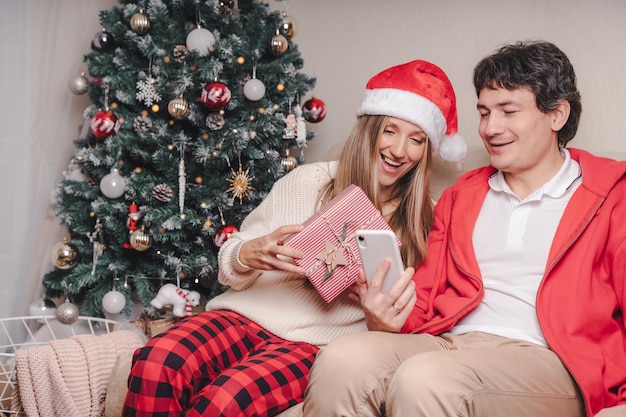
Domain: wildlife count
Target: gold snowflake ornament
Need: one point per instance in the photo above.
(240, 184)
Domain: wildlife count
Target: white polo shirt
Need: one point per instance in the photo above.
(512, 239)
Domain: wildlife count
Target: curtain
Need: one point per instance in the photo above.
(42, 44)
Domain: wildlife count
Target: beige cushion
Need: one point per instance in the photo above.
(118, 386)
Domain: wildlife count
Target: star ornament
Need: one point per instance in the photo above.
(332, 256)
(240, 184)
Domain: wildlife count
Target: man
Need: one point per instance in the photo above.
(520, 307)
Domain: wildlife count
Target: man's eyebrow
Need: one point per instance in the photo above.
(500, 104)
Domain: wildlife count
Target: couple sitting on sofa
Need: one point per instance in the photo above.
(488, 317)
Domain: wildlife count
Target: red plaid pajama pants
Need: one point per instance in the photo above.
(217, 364)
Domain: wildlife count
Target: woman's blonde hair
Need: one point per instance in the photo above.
(413, 217)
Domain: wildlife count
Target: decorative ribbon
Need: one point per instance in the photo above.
(342, 242)
(183, 294)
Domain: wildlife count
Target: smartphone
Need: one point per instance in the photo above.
(376, 245)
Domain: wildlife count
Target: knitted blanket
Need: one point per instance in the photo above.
(68, 377)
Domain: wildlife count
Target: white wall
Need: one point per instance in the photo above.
(344, 42)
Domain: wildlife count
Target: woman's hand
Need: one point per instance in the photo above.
(385, 312)
(262, 252)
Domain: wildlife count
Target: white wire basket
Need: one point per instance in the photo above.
(29, 331)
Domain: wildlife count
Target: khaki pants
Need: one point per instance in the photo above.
(471, 375)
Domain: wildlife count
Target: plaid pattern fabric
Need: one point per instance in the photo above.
(217, 364)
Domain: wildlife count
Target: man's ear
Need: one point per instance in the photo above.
(560, 115)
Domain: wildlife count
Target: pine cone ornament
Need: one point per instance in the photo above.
(180, 53)
(142, 124)
(162, 192)
(215, 121)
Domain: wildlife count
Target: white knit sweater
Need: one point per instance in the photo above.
(284, 303)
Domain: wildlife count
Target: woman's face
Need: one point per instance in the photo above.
(400, 147)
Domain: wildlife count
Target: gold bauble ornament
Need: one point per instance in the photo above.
(178, 108)
(278, 44)
(289, 26)
(140, 23)
(288, 162)
(64, 255)
(140, 240)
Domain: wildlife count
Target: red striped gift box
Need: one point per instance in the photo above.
(331, 257)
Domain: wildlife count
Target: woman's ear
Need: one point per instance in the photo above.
(560, 115)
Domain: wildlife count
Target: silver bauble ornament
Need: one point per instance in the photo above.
(78, 85)
(67, 313)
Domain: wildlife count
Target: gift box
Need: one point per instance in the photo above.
(330, 254)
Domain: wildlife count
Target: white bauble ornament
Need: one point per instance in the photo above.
(113, 184)
(42, 307)
(200, 40)
(113, 302)
(254, 89)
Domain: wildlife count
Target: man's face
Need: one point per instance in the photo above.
(518, 137)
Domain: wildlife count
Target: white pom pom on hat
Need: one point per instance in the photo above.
(421, 93)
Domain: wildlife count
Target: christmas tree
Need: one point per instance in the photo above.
(194, 109)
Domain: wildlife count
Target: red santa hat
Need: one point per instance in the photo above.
(421, 93)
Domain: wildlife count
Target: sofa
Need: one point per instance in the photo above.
(445, 174)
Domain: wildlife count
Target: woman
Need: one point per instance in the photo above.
(251, 352)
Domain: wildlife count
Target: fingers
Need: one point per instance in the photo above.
(277, 238)
(401, 292)
(268, 252)
(389, 312)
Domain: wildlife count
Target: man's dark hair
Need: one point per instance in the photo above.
(539, 66)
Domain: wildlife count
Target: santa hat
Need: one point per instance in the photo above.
(421, 93)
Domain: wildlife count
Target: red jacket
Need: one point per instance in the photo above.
(581, 301)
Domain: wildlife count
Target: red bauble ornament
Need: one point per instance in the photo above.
(223, 233)
(104, 124)
(215, 96)
(314, 110)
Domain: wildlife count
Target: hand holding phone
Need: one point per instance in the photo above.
(374, 246)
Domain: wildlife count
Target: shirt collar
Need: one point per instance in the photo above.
(555, 187)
